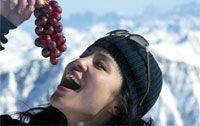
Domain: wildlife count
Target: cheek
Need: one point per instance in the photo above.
(99, 92)
(106, 84)
(101, 85)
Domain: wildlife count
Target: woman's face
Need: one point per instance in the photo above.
(99, 80)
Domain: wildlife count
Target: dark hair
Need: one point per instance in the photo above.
(125, 116)
(50, 115)
(40, 116)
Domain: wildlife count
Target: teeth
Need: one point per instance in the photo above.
(70, 76)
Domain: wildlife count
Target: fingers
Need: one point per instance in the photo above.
(31, 5)
(40, 2)
(22, 6)
(13, 4)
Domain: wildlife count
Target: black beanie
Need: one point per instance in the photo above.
(131, 58)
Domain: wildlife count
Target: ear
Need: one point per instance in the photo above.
(113, 108)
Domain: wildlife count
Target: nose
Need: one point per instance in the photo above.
(82, 64)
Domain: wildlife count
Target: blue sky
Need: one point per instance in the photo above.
(125, 7)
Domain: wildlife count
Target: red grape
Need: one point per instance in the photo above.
(46, 39)
(42, 20)
(52, 21)
(47, 9)
(46, 52)
(62, 47)
(55, 53)
(56, 34)
(57, 9)
(56, 15)
(37, 42)
(43, 45)
(39, 30)
(38, 12)
(58, 27)
(53, 3)
(53, 61)
(49, 30)
(60, 39)
(52, 45)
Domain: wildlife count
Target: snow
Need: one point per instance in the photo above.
(170, 101)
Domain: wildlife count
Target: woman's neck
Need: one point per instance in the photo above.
(83, 120)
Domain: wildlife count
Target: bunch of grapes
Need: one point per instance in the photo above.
(49, 30)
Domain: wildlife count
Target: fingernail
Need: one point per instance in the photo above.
(31, 8)
(41, 2)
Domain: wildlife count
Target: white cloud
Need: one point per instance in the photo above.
(126, 24)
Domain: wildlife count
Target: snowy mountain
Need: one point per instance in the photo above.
(27, 79)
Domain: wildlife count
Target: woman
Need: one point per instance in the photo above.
(114, 82)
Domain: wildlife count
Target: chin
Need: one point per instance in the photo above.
(55, 101)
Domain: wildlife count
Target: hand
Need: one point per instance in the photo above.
(18, 11)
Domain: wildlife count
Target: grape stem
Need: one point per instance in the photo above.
(45, 3)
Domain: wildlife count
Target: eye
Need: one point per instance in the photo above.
(100, 66)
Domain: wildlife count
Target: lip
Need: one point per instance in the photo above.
(62, 88)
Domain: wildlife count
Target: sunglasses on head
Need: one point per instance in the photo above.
(144, 43)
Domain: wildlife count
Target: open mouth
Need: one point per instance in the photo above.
(69, 81)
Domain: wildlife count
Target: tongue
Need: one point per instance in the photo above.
(70, 84)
